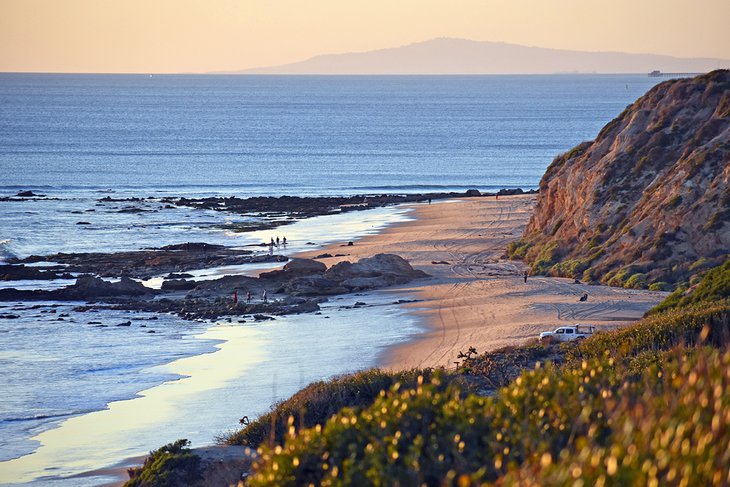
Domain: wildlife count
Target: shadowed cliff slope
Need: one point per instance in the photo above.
(648, 201)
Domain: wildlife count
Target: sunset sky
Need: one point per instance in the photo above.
(163, 36)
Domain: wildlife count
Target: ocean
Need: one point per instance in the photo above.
(80, 395)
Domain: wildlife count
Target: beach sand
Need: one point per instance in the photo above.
(478, 297)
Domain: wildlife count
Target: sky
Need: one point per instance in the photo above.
(173, 36)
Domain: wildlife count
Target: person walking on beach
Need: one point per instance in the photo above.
(271, 249)
(248, 297)
(263, 296)
(525, 276)
(284, 241)
(277, 241)
(429, 201)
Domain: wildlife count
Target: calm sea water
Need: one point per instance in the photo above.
(78, 138)
(309, 134)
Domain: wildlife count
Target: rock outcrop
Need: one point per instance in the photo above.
(648, 201)
(86, 288)
(143, 264)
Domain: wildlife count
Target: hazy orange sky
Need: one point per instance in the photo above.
(162, 36)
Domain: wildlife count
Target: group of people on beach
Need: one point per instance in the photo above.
(277, 242)
(249, 296)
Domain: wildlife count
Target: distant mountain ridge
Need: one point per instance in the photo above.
(462, 56)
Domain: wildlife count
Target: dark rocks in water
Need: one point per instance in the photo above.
(473, 192)
(182, 275)
(323, 256)
(86, 288)
(277, 211)
(143, 264)
(29, 194)
(313, 286)
(126, 323)
(178, 285)
(295, 268)
(90, 287)
(515, 192)
(226, 285)
(9, 317)
(262, 318)
(193, 247)
(439, 262)
(21, 272)
(83, 223)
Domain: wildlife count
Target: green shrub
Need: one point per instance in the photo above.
(170, 466)
(573, 268)
(318, 401)
(659, 332)
(670, 432)
(517, 250)
(617, 279)
(660, 286)
(636, 281)
(536, 431)
(545, 258)
(713, 286)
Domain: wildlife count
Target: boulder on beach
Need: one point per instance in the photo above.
(295, 268)
(178, 285)
(377, 265)
(90, 287)
(313, 286)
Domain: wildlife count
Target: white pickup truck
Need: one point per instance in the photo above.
(568, 333)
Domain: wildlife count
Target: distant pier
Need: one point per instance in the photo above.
(658, 74)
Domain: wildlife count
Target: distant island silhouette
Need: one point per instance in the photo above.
(462, 56)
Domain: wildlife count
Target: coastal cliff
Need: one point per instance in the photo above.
(647, 203)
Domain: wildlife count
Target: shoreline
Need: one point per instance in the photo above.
(451, 302)
(476, 296)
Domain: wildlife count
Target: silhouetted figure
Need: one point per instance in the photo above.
(235, 297)
(277, 241)
(429, 201)
(525, 276)
(266, 299)
(248, 297)
(284, 241)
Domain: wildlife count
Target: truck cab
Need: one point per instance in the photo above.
(569, 333)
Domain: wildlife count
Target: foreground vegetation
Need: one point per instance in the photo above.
(644, 405)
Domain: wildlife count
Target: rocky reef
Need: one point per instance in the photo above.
(298, 287)
(647, 203)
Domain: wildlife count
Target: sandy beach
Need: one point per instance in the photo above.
(476, 296)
